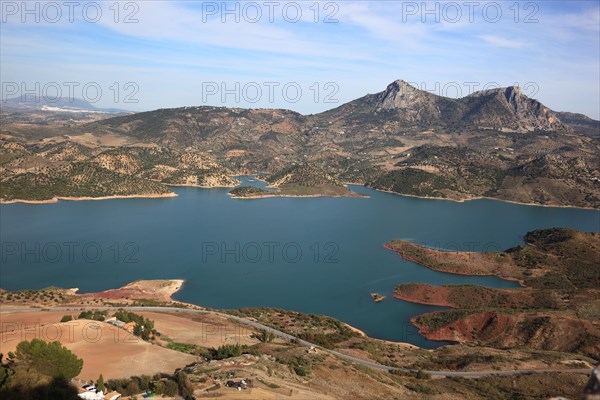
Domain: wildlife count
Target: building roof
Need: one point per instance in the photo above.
(91, 395)
(112, 395)
(129, 325)
(116, 322)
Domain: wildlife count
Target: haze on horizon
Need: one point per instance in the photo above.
(303, 56)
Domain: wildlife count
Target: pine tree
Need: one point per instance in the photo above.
(100, 384)
(51, 359)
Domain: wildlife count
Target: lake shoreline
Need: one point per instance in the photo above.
(414, 260)
(167, 195)
(87, 198)
(254, 197)
(200, 186)
(416, 301)
(161, 290)
(481, 198)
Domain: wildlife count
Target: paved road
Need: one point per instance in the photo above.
(283, 335)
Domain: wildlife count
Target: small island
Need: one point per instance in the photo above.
(302, 180)
(248, 192)
(377, 298)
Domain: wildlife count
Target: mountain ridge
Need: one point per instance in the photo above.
(494, 143)
(507, 109)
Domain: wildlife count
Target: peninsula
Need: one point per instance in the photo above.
(560, 274)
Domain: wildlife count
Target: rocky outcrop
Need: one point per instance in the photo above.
(509, 109)
(504, 109)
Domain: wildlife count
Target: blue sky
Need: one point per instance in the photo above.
(171, 54)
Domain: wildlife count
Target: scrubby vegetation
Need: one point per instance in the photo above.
(480, 297)
(446, 361)
(439, 319)
(560, 270)
(248, 191)
(67, 169)
(319, 329)
(174, 385)
(519, 387)
(47, 296)
(412, 181)
(461, 172)
(265, 336)
(565, 253)
(301, 365)
(80, 179)
(304, 174)
(227, 351)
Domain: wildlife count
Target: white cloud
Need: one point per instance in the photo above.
(499, 41)
(170, 21)
(171, 49)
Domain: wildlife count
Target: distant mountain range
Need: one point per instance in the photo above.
(42, 103)
(495, 143)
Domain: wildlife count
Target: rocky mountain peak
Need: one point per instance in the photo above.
(513, 95)
(400, 94)
(514, 88)
(399, 85)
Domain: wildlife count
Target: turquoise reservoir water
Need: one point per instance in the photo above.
(316, 255)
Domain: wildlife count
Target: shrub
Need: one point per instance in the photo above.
(93, 315)
(171, 388)
(421, 388)
(265, 336)
(422, 375)
(186, 390)
(227, 351)
(300, 371)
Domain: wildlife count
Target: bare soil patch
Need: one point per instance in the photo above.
(105, 349)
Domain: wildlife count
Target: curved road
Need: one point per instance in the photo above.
(283, 335)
